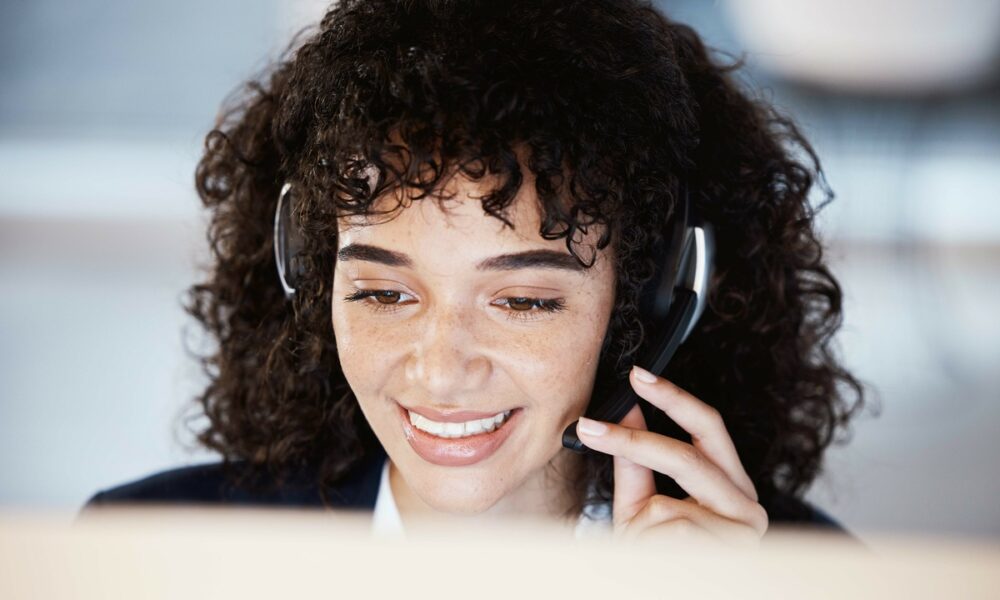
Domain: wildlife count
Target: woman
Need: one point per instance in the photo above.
(480, 191)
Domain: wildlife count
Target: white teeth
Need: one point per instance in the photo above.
(455, 430)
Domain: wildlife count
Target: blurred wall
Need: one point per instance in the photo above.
(102, 113)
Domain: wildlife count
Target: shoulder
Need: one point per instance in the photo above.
(242, 483)
(195, 483)
(788, 510)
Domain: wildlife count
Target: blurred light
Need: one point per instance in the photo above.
(901, 46)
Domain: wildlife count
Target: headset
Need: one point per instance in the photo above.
(673, 299)
(288, 243)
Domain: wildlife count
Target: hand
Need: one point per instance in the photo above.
(722, 503)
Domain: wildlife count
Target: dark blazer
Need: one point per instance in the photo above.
(206, 484)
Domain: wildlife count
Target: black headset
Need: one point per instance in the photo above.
(673, 299)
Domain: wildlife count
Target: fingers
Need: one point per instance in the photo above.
(666, 516)
(702, 421)
(723, 500)
(634, 483)
(698, 476)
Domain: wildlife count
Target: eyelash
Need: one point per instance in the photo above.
(543, 305)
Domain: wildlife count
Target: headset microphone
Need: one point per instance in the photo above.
(675, 299)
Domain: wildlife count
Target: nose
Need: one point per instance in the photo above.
(446, 360)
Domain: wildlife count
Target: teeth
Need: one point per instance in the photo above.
(455, 430)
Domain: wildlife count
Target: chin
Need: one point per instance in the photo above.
(466, 498)
(460, 506)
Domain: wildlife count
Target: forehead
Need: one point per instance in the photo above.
(452, 225)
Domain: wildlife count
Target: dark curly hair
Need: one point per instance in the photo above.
(617, 107)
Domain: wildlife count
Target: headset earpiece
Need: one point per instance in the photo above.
(698, 268)
(685, 257)
(287, 241)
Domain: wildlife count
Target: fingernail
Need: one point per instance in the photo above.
(591, 427)
(643, 375)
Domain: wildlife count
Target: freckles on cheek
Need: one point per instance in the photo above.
(358, 357)
(543, 358)
(581, 350)
(369, 352)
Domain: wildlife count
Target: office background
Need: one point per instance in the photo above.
(104, 105)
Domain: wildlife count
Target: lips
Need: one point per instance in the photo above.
(456, 452)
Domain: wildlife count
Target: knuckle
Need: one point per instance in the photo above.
(661, 508)
(689, 455)
(632, 436)
(713, 416)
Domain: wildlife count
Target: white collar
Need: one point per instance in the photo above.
(595, 520)
(387, 521)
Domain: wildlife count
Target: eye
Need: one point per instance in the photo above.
(519, 308)
(384, 300)
(527, 309)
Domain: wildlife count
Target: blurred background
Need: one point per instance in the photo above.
(104, 105)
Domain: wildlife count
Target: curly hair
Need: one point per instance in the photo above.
(616, 107)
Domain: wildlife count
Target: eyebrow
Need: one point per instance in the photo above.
(528, 259)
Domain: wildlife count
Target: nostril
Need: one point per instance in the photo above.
(448, 373)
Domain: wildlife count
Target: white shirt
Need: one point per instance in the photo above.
(595, 520)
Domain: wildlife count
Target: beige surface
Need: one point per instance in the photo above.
(250, 553)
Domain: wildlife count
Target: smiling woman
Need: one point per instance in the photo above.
(470, 315)
(481, 195)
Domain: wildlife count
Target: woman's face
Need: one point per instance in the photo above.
(462, 326)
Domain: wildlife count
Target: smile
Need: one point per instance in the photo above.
(458, 430)
(457, 444)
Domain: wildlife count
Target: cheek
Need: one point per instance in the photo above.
(557, 365)
(581, 348)
(571, 358)
(358, 350)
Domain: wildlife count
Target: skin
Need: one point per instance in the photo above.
(722, 506)
(448, 344)
(452, 341)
